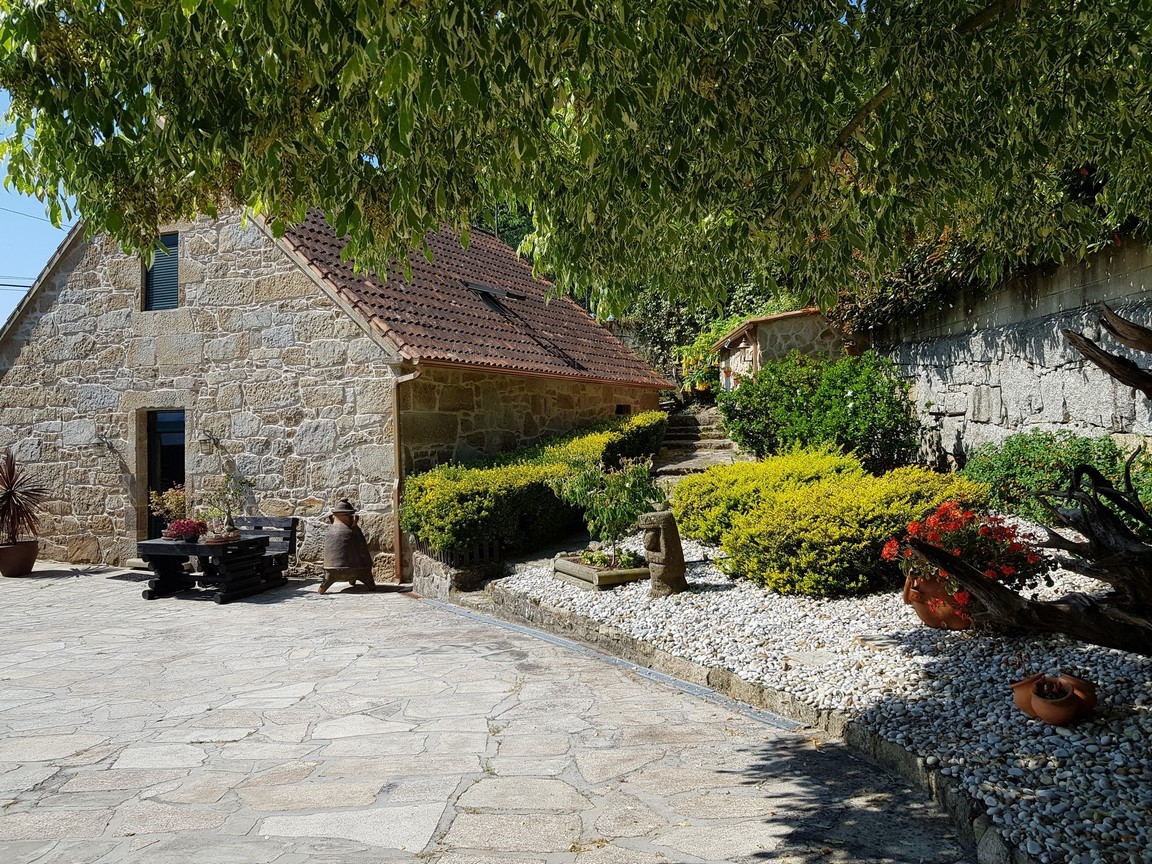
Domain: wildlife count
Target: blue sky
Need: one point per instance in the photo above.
(27, 239)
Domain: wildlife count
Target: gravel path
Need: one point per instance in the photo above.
(1080, 794)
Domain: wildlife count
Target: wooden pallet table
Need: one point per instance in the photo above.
(239, 567)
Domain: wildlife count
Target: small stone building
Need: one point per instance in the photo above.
(277, 360)
(744, 349)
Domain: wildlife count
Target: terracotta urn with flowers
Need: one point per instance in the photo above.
(984, 541)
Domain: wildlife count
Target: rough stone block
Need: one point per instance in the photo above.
(283, 286)
(226, 348)
(91, 398)
(987, 404)
(237, 237)
(126, 274)
(79, 433)
(244, 424)
(276, 507)
(326, 352)
(185, 349)
(315, 436)
(280, 336)
(163, 322)
(269, 394)
(992, 850)
(373, 396)
(376, 462)
(422, 427)
(456, 399)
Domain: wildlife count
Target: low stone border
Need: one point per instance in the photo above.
(974, 827)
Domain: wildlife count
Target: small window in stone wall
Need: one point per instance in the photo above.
(162, 282)
(623, 410)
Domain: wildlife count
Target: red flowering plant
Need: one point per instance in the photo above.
(984, 541)
(185, 529)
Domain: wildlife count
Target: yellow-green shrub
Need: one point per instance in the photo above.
(705, 503)
(510, 498)
(824, 539)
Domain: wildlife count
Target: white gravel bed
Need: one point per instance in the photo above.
(1064, 795)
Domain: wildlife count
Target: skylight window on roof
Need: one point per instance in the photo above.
(491, 291)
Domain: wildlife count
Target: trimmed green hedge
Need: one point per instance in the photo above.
(811, 521)
(705, 504)
(509, 498)
(824, 539)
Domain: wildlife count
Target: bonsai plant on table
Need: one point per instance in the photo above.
(612, 501)
(224, 502)
(20, 501)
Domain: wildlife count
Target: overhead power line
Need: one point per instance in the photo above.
(33, 216)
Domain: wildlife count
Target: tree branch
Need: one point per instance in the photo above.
(1126, 332)
(1120, 368)
(1000, 606)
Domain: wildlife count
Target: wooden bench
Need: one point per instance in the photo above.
(281, 533)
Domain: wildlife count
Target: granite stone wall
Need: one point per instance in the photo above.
(987, 368)
(451, 414)
(808, 334)
(257, 355)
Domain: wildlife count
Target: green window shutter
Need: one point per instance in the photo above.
(162, 287)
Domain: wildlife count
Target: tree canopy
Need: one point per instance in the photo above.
(688, 143)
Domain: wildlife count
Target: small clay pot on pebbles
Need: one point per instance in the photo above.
(1056, 699)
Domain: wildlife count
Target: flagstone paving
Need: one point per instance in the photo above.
(305, 729)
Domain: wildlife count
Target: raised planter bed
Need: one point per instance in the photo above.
(576, 572)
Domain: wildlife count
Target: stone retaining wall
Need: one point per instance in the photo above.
(987, 368)
(457, 415)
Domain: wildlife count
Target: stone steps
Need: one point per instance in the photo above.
(694, 443)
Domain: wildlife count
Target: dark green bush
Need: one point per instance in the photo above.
(856, 403)
(509, 498)
(1035, 461)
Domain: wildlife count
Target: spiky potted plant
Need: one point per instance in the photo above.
(20, 500)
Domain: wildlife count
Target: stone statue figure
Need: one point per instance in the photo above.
(346, 555)
(664, 552)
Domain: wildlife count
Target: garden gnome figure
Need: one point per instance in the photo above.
(346, 555)
(664, 552)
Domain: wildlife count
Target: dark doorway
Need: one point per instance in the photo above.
(165, 457)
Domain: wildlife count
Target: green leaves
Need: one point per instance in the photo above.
(660, 142)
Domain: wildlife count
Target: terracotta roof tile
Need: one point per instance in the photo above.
(503, 322)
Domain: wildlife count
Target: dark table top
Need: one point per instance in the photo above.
(204, 550)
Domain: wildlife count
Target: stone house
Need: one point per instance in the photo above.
(745, 348)
(992, 365)
(275, 359)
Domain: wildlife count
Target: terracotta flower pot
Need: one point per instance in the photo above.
(932, 602)
(1022, 693)
(1054, 701)
(1085, 690)
(1057, 699)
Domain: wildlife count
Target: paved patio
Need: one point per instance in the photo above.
(303, 729)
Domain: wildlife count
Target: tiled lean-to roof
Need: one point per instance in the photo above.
(478, 306)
